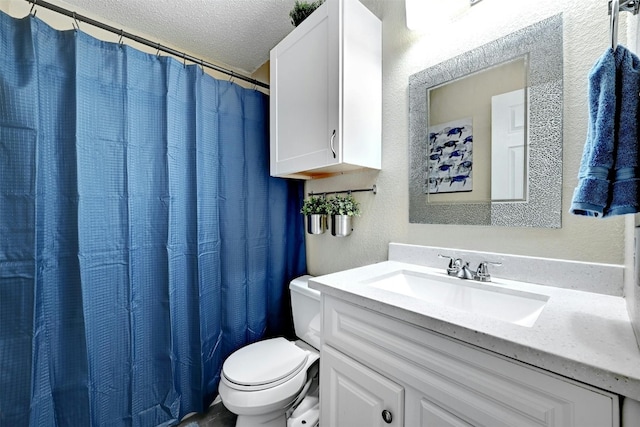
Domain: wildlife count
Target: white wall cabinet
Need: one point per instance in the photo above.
(326, 93)
(446, 383)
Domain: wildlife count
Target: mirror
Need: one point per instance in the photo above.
(485, 133)
(478, 120)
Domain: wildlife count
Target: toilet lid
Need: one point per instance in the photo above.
(264, 362)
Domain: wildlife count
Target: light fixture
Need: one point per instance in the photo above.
(434, 14)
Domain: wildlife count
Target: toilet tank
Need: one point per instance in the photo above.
(305, 306)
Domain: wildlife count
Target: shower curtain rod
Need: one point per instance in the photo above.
(158, 46)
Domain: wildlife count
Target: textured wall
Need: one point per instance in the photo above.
(385, 217)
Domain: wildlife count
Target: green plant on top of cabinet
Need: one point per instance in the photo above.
(326, 93)
(301, 10)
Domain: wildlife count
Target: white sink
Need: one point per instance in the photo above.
(509, 305)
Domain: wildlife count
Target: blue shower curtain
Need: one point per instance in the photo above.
(141, 237)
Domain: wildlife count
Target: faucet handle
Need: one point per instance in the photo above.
(455, 264)
(482, 274)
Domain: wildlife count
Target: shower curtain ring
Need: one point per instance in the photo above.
(75, 23)
(33, 12)
(184, 59)
(121, 36)
(158, 51)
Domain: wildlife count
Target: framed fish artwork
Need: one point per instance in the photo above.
(450, 157)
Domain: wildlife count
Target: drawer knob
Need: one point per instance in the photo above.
(387, 417)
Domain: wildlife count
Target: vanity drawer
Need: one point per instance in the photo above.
(449, 379)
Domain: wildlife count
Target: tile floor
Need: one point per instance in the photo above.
(217, 416)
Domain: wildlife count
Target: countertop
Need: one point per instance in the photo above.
(580, 335)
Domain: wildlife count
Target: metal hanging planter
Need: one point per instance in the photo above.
(316, 223)
(341, 225)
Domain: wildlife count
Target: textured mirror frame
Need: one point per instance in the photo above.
(542, 44)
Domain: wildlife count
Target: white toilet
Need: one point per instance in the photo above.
(265, 381)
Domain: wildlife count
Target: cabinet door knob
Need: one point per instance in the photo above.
(333, 150)
(387, 417)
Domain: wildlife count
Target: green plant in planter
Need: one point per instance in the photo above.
(302, 9)
(343, 205)
(314, 205)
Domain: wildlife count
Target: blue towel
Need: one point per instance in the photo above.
(609, 179)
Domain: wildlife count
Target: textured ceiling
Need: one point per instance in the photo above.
(236, 33)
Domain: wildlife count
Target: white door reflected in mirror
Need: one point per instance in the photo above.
(508, 146)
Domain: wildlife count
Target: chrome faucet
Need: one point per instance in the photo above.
(459, 268)
(465, 272)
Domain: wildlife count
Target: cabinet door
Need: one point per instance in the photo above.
(302, 84)
(355, 396)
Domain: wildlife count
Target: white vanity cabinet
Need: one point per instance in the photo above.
(372, 362)
(326, 93)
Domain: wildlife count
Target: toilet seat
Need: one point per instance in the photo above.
(279, 361)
